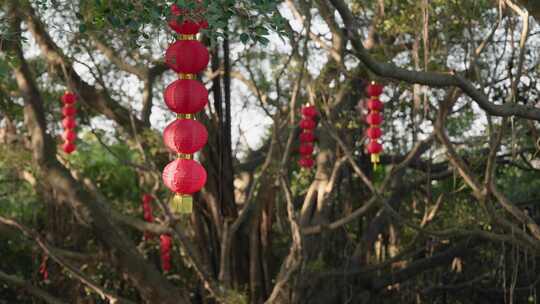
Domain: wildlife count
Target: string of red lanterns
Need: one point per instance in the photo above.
(165, 247)
(186, 96)
(307, 124)
(374, 119)
(69, 122)
(148, 215)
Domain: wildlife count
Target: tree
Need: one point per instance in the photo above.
(450, 217)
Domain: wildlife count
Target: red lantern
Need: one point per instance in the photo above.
(374, 132)
(375, 104)
(69, 98)
(148, 216)
(69, 110)
(374, 147)
(185, 136)
(374, 89)
(187, 56)
(374, 118)
(185, 27)
(306, 149)
(69, 122)
(309, 111)
(165, 245)
(307, 136)
(184, 176)
(69, 135)
(306, 162)
(307, 123)
(186, 96)
(68, 147)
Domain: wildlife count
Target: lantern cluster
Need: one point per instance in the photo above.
(148, 215)
(165, 247)
(69, 122)
(374, 119)
(307, 124)
(186, 96)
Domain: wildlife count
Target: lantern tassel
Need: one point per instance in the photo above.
(375, 159)
(182, 204)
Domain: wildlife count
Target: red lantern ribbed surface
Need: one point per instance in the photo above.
(306, 149)
(374, 118)
(374, 89)
(184, 176)
(375, 105)
(307, 136)
(69, 122)
(69, 135)
(185, 136)
(69, 98)
(374, 132)
(307, 123)
(69, 110)
(309, 111)
(187, 56)
(186, 96)
(374, 147)
(68, 147)
(306, 162)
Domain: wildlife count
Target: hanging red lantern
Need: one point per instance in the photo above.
(165, 246)
(374, 119)
(69, 98)
(306, 162)
(184, 176)
(69, 135)
(374, 89)
(69, 122)
(69, 110)
(375, 105)
(309, 111)
(307, 123)
(184, 27)
(185, 136)
(187, 56)
(374, 132)
(306, 149)
(307, 136)
(186, 96)
(374, 147)
(68, 147)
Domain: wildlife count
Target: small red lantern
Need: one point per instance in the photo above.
(375, 105)
(374, 132)
(186, 96)
(185, 27)
(374, 118)
(68, 147)
(69, 110)
(185, 136)
(374, 147)
(165, 246)
(69, 135)
(306, 149)
(307, 136)
(374, 89)
(306, 162)
(69, 122)
(309, 111)
(187, 56)
(307, 123)
(69, 98)
(184, 176)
